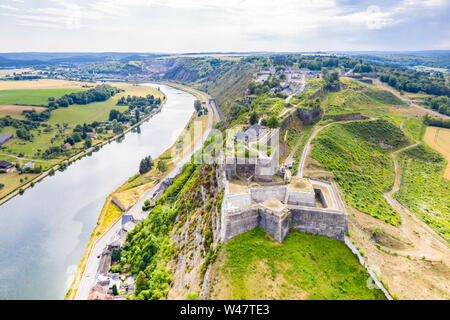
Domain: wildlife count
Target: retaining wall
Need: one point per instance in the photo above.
(321, 222)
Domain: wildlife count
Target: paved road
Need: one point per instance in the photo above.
(434, 113)
(88, 279)
(305, 150)
(302, 88)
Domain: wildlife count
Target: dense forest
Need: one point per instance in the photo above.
(414, 81)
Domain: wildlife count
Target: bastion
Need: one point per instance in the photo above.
(278, 205)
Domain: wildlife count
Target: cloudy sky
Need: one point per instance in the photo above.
(223, 25)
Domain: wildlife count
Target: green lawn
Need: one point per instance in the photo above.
(36, 97)
(304, 266)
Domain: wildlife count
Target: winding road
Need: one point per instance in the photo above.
(434, 113)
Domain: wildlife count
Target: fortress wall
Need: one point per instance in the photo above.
(277, 226)
(267, 167)
(235, 201)
(237, 223)
(259, 195)
(320, 222)
(319, 193)
(301, 198)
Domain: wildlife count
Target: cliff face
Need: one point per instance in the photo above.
(309, 115)
(195, 234)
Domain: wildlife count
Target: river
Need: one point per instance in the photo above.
(44, 232)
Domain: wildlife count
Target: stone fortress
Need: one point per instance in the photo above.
(257, 192)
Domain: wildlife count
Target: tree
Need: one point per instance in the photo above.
(198, 105)
(115, 254)
(88, 142)
(273, 122)
(162, 167)
(145, 165)
(253, 118)
(114, 290)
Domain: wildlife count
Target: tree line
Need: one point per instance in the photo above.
(100, 93)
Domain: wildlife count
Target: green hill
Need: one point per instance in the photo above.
(304, 266)
(357, 153)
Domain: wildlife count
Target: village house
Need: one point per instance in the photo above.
(99, 294)
(5, 165)
(92, 135)
(29, 164)
(66, 146)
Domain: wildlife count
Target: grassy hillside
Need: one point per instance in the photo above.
(35, 97)
(360, 98)
(423, 190)
(304, 266)
(415, 128)
(357, 153)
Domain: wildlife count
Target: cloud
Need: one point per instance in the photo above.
(8, 7)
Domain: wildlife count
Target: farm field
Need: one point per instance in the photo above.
(54, 133)
(33, 97)
(44, 84)
(304, 266)
(99, 111)
(357, 153)
(5, 72)
(439, 140)
(73, 115)
(15, 111)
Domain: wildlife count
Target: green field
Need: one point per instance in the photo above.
(72, 115)
(357, 153)
(423, 190)
(415, 128)
(79, 114)
(364, 100)
(304, 266)
(35, 97)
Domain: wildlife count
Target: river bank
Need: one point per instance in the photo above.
(173, 164)
(46, 231)
(95, 147)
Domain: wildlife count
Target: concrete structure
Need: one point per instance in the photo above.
(5, 137)
(5, 165)
(301, 204)
(253, 153)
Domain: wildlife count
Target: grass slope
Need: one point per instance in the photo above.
(35, 97)
(304, 266)
(423, 190)
(357, 153)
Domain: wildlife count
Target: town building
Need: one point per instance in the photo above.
(5, 165)
(5, 137)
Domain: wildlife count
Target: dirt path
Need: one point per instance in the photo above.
(19, 158)
(411, 224)
(409, 102)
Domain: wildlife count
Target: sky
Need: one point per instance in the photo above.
(180, 26)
